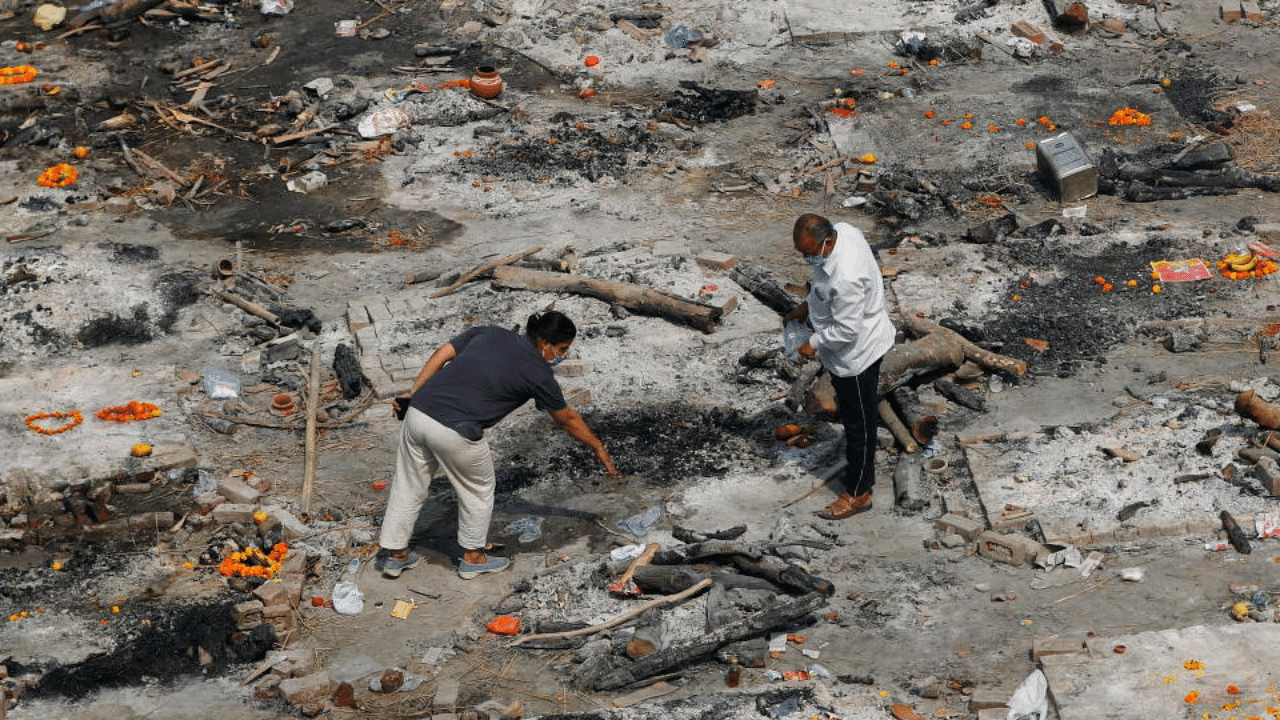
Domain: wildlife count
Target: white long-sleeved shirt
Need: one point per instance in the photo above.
(851, 327)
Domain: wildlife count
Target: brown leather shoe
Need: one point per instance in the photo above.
(846, 506)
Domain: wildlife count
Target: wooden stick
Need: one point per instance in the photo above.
(309, 456)
(624, 586)
(482, 269)
(279, 139)
(900, 431)
(618, 620)
(250, 307)
(826, 478)
(159, 166)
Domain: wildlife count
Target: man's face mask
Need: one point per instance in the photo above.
(816, 260)
(555, 360)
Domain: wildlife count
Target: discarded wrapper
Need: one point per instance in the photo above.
(345, 28)
(1217, 545)
(504, 625)
(402, 609)
(383, 122)
(1267, 525)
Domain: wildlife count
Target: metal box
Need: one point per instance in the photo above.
(1067, 167)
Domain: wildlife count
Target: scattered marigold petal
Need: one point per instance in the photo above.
(993, 128)
(929, 114)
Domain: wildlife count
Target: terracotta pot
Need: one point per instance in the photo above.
(282, 405)
(486, 83)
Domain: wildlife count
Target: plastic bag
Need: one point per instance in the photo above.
(1030, 699)
(347, 598)
(277, 7)
(220, 384)
(626, 552)
(383, 122)
(794, 335)
(639, 525)
(530, 528)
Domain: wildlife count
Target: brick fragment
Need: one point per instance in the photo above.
(1056, 645)
(272, 592)
(1229, 10)
(1011, 549)
(1252, 11)
(1115, 25)
(228, 513)
(315, 687)
(984, 698)
(716, 260)
(237, 491)
(952, 524)
(247, 615)
(1028, 31)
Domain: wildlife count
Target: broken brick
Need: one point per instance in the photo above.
(952, 524)
(1229, 10)
(984, 698)
(315, 687)
(1056, 645)
(228, 513)
(247, 615)
(1251, 11)
(1028, 31)
(1010, 549)
(237, 491)
(716, 260)
(272, 593)
(1115, 25)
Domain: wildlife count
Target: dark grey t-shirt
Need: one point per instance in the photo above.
(495, 372)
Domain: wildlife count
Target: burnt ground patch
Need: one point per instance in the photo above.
(167, 647)
(1073, 314)
(569, 152)
(661, 445)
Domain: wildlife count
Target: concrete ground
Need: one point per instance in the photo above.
(943, 629)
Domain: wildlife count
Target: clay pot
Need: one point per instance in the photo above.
(935, 465)
(486, 83)
(282, 405)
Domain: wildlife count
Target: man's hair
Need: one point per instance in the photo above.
(813, 227)
(551, 326)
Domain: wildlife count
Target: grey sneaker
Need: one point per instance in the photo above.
(467, 570)
(392, 567)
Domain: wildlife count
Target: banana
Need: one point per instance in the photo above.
(1246, 266)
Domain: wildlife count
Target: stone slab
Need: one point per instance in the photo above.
(1148, 680)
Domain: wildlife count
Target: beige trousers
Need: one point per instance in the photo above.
(426, 448)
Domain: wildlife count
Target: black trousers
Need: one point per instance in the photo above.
(859, 397)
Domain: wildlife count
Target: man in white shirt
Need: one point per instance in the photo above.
(851, 333)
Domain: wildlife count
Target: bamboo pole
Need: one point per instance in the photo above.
(309, 456)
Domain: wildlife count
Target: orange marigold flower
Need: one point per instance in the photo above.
(1022, 122)
(968, 116)
(929, 114)
(893, 64)
(946, 122)
(934, 62)
(966, 125)
(587, 93)
(60, 175)
(767, 84)
(1191, 697)
(82, 152)
(1129, 116)
(1132, 283)
(1030, 144)
(591, 61)
(993, 128)
(1107, 287)
(1233, 690)
(1043, 120)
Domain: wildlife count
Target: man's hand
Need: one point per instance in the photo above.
(806, 352)
(799, 313)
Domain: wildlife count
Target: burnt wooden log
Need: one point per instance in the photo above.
(960, 395)
(821, 400)
(720, 611)
(799, 389)
(671, 579)
(636, 298)
(219, 425)
(763, 287)
(422, 276)
(783, 574)
(922, 424)
(1235, 534)
(347, 367)
(683, 653)
(934, 351)
(1141, 192)
(990, 360)
(649, 636)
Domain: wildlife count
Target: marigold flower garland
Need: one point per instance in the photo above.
(60, 175)
(17, 74)
(134, 410)
(73, 418)
(248, 563)
(1129, 116)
